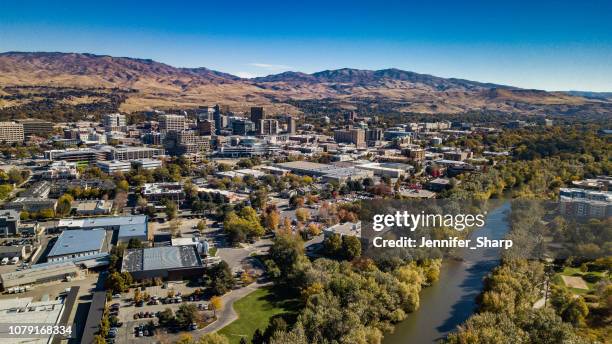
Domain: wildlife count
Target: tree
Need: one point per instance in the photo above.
(314, 229)
(123, 185)
(15, 176)
(121, 198)
(272, 220)
(134, 243)
(222, 280)
(287, 252)
(245, 224)
(296, 201)
(166, 317)
(258, 337)
(185, 339)
(118, 282)
(64, 205)
(302, 214)
(332, 244)
(141, 202)
(175, 227)
(187, 314)
(171, 210)
(351, 247)
(216, 303)
(201, 226)
(213, 338)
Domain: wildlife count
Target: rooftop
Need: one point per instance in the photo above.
(78, 240)
(161, 258)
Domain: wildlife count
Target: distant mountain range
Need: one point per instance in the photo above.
(157, 85)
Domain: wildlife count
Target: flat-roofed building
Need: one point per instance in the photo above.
(45, 314)
(9, 222)
(158, 192)
(39, 273)
(354, 136)
(328, 173)
(77, 243)
(11, 132)
(267, 127)
(60, 170)
(128, 227)
(114, 122)
(31, 204)
(33, 126)
(171, 123)
(114, 166)
(171, 262)
(97, 207)
(129, 153)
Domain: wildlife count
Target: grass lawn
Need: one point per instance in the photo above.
(255, 311)
(570, 271)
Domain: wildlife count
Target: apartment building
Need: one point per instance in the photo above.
(171, 123)
(11, 132)
(354, 136)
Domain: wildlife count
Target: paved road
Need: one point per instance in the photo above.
(227, 315)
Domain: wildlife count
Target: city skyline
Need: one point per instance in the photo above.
(550, 46)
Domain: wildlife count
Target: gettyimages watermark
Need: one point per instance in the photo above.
(425, 229)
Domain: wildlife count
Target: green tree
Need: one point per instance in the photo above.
(332, 244)
(351, 247)
(213, 338)
(64, 205)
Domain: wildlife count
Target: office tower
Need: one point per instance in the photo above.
(206, 127)
(11, 132)
(354, 136)
(349, 117)
(291, 125)
(171, 123)
(114, 122)
(268, 127)
(32, 126)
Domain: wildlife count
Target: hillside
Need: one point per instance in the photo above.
(85, 82)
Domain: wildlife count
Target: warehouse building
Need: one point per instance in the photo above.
(170, 262)
(77, 243)
(128, 227)
(39, 274)
(328, 173)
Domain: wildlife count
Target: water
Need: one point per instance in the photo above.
(451, 300)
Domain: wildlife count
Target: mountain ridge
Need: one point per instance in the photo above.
(155, 84)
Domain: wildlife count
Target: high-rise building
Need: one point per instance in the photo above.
(220, 117)
(354, 136)
(268, 127)
(171, 123)
(114, 122)
(33, 126)
(291, 125)
(374, 134)
(186, 142)
(206, 127)
(207, 113)
(257, 114)
(11, 132)
(242, 127)
(349, 117)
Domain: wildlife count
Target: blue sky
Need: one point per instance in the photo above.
(552, 45)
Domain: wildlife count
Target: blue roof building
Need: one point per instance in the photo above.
(77, 243)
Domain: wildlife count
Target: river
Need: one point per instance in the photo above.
(451, 300)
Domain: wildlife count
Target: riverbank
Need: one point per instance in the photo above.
(450, 301)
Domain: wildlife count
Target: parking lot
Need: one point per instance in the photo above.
(133, 316)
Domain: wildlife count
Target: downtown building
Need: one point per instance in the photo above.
(11, 132)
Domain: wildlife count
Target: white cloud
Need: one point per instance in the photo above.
(269, 66)
(246, 75)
